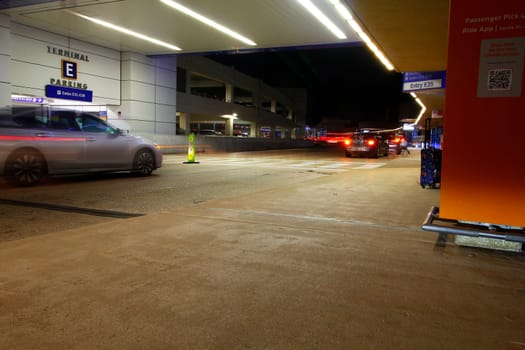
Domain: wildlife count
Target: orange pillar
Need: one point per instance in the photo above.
(483, 170)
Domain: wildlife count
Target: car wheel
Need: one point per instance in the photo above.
(25, 168)
(348, 154)
(144, 163)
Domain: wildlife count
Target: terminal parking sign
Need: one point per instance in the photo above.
(66, 93)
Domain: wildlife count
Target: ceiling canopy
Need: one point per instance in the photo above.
(411, 33)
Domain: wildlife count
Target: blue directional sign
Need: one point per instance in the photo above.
(414, 81)
(27, 99)
(66, 93)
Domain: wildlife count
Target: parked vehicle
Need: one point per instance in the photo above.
(208, 132)
(366, 144)
(68, 142)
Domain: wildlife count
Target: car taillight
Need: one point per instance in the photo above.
(371, 142)
(397, 140)
(348, 142)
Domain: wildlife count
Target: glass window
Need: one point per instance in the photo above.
(90, 123)
(64, 122)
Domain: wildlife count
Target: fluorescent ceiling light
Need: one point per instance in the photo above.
(321, 17)
(423, 108)
(346, 14)
(208, 22)
(127, 31)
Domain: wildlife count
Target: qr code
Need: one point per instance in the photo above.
(500, 79)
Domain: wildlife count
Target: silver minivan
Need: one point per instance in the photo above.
(69, 142)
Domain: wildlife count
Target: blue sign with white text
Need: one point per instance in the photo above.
(413, 81)
(27, 99)
(67, 93)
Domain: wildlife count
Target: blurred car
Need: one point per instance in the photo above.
(396, 143)
(69, 142)
(366, 144)
(332, 138)
(240, 133)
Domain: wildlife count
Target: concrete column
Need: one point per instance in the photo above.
(5, 62)
(293, 132)
(149, 91)
(138, 94)
(228, 130)
(229, 93)
(253, 129)
(273, 107)
(184, 122)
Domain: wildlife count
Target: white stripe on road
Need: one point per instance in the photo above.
(273, 163)
(370, 166)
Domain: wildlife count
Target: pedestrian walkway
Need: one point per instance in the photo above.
(328, 165)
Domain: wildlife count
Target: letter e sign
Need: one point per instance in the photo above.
(69, 69)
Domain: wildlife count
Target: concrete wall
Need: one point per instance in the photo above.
(5, 60)
(232, 144)
(149, 94)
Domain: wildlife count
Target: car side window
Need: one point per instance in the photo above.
(30, 122)
(63, 122)
(89, 123)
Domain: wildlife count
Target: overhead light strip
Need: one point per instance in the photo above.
(208, 22)
(346, 14)
(423, 108)
(321, 17)
(127, 31)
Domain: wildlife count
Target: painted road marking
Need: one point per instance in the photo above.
(287, 164)
(370, 166)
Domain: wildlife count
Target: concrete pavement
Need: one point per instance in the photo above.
(339, 262)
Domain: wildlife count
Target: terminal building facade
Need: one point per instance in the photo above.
(160, 97)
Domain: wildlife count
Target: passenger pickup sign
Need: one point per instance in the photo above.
(414, 81)
(66, 93)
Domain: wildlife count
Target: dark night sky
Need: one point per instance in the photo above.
(342, 82)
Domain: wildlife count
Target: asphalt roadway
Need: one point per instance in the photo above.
(324, 260)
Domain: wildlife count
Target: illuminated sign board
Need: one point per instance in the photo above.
(67, 93)
(27, 99)
(415, 81)
(67, 86)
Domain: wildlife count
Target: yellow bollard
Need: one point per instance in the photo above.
(191, 149)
